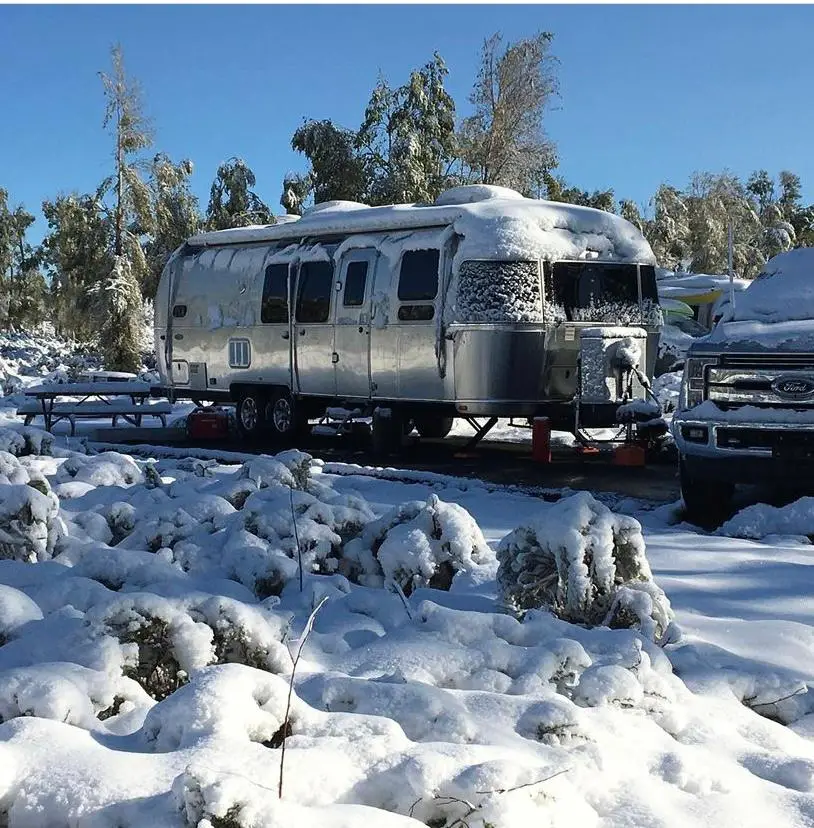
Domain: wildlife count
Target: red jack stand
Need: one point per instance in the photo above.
(541, 440)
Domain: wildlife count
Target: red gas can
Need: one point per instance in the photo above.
(208, 424)
(541, 440)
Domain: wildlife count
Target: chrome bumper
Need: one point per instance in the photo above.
(727, 438)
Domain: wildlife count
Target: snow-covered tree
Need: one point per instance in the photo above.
(336, 170)
(232, 201)
(120, 295)
(407, 140)
(121, 333)
(504, 141)
(713, 201)
(669, 231)
(22, 287)
(76, 252)
(296, 190)
(175, 211)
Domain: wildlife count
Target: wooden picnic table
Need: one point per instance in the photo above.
(127, 400)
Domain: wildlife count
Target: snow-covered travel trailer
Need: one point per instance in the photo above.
(485, 304)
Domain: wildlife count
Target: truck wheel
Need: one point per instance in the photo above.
(388, 431)
(250, 415)
(284, 418)
(704, 500)
(434, 427)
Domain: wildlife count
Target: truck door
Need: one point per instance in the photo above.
(313, 329)
(351, 352)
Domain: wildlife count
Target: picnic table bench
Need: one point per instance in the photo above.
(125, 400)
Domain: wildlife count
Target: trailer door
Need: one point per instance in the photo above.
(351, 352)
(313, 329)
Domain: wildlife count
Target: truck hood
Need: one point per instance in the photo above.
(745, 337)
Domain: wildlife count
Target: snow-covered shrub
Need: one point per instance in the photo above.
(321, 527)
(585, 564)
(230, 700)
(11, 441)
(416, 544)
(28, 522)
(166, 641)
(110, 469)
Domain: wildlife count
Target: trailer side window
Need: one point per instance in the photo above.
(418, 278)
(355, 279)
(274, 306)
(314, 296)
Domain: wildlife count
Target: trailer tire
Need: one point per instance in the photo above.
(285, 419)
(435, 428)
(250, 414)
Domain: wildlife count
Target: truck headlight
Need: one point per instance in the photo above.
(693, 384)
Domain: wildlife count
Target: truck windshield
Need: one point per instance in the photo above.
(495, 291)
(602, 292)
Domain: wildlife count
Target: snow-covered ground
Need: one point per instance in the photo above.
(150, 614)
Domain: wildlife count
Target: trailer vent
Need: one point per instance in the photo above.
(240, 353)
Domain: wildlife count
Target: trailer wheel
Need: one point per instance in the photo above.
(250, 415)
(284, 418)
(434, 427)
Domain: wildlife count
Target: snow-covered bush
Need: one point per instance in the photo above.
(28, 522)
(585, 564)
(416, 544)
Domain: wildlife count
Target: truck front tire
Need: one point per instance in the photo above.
(704, 500)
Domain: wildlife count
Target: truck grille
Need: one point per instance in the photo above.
(774, 360)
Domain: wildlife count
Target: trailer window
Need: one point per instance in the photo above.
(274, 306)
(602, 292)
(355, 279)
(240, 353)
(416, 313)
(492, 291)
(418, 277)
(314, 296)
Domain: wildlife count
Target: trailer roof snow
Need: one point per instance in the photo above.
(494, 221)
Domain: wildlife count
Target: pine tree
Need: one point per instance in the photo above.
(132, 217)
(232, 201)
(504, 142)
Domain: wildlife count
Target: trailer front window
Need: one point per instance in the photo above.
(494, 291)
(604, 292)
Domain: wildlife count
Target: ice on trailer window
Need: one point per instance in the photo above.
(355, 279)
(605, 292)
(274, 306)
(418, 277)
(314, 297)
(495, 291)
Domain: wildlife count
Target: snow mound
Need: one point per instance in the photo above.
(761, 521)
(587, 565)
(471, 193)
(782, 292)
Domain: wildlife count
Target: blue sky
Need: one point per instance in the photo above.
(648, 93)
